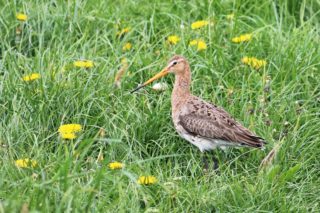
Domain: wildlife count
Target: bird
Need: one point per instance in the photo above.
(203, 124)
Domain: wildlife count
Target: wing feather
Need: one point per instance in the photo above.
(209, 121)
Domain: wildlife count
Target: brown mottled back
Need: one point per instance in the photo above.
(209, 121)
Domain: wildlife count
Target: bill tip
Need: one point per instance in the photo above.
(136, 89)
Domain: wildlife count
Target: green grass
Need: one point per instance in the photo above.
(138, 127)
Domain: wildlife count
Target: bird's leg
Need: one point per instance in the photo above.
(205, 162)
(214, 164)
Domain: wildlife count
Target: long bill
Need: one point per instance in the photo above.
(161, 74)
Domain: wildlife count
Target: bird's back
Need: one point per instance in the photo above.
(204, 120)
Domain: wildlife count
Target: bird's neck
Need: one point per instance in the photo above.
(181, 89)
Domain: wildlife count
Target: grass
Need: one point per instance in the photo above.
(138, 128)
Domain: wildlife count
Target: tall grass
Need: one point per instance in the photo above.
(138, 128)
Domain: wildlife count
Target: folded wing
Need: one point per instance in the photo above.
(208, 121)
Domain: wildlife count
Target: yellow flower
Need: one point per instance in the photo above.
(26, 163)
(115, 165)
(147, 180)
(21, 17)
(201, 45)
(123, 31)
(127, 46)
(242, 38)
(199, 24)
(173, 39)
(83, 64)
(31, 77)
(68, 131)
(68, 135)
(230, 16)
(254, 62)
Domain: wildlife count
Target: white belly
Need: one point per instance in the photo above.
(202, 143)
(205, 144)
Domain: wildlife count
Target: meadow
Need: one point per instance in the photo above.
(77, 50)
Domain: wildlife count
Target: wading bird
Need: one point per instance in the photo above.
(201, 123)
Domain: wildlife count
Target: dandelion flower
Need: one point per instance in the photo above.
(31, 77)
(70, 128)
(254, 62)
(83, 64)
(68, 135)
(26, 163)
(242, 38)
(147, 180)
(68, 131)
(127, 46)
(123, 31)
(21, 17)
(173, 39)
(201, 45)
(115, 165)
(230, 17)
(199, 24)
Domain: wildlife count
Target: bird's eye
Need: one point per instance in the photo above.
(174, 63)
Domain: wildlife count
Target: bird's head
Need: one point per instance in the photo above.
(177, 65)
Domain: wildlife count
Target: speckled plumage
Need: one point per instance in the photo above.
(201, 123)
(204, 124)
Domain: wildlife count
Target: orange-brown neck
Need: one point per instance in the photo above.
(181, 89)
